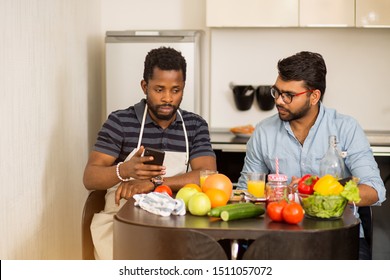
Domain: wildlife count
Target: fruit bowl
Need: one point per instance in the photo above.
(323, 206)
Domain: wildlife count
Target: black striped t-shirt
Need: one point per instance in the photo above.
(119, 134)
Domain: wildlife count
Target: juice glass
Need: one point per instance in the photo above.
(256, 184)
(204, 174)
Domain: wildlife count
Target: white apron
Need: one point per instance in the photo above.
(102, 223)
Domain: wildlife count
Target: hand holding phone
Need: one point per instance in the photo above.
(158, 156)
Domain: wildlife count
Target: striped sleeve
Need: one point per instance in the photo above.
(199, 135)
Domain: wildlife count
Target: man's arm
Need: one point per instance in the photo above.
(100, 173)
(368, 195)
(128, 189)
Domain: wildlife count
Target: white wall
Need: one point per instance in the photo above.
(50, 73)
(161, 15)
(51, 89)
(357, 60)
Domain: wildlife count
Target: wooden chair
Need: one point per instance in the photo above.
(95, 203)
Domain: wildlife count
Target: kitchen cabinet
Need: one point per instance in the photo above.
(327, 13)
(372, 13)
(252, 13)
(294, 13)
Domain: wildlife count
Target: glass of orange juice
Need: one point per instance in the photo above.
(256, 184)
(204, 174)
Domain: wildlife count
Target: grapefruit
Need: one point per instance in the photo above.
(218, 181)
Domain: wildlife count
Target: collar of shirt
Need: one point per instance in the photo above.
(314, 127)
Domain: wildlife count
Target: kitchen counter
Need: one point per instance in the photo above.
(222, 139)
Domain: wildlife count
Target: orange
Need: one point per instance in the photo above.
(217, 197)
(194, 186)
(218, 181)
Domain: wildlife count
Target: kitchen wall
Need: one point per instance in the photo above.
(357, 61)
(52, 89)
(50, 73)
(51, 84)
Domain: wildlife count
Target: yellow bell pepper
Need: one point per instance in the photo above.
(328, 185)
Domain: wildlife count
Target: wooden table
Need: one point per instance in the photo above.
(139, 234)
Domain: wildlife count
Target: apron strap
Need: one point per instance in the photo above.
(186, 139)
(141, 133)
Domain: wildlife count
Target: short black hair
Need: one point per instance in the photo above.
(165, 58)
(304, 66)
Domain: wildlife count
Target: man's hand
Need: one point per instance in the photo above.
(136, 168)
(293, 184)
(126, 190)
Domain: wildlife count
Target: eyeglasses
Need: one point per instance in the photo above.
(287, 97)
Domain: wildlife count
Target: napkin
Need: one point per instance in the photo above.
(160, 204)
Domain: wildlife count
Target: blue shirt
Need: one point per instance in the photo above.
(273, 138)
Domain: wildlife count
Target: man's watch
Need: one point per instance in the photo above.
(157, 181)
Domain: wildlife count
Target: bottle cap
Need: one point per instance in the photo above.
(277, 177)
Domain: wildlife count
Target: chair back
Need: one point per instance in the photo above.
(365, 214)
(94, 204)
(133, 242)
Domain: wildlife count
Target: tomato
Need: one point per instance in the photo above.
(293, 213)
(164, 188)
(275, 209)
(306, 184)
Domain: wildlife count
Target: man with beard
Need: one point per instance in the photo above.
(116, 163)
(298, 135)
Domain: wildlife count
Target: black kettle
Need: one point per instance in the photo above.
(243, 97)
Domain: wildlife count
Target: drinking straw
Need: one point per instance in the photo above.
(277, 166)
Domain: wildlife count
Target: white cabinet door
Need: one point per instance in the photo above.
(252, 13)
(372, 13)
(327, 13)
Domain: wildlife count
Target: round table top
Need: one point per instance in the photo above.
(243, 228)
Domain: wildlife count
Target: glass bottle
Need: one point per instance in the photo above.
(332, 163)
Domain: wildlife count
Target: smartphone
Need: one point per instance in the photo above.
(158, 156)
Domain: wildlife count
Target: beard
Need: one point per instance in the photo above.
(155, 109)
(287, 115)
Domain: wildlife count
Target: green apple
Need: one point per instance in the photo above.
(185, 194)
(199, 204)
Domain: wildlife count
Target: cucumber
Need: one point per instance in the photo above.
(216, 212)
(242, 213)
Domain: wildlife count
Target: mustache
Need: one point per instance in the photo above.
(166, 105)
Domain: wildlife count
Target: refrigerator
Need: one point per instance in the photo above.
(125, 53)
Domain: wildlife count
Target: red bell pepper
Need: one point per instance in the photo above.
(306, 184)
